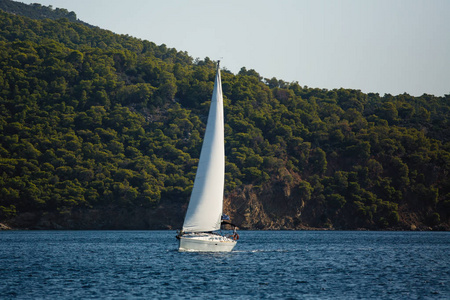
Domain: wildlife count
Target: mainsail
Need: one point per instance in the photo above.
(205, 206)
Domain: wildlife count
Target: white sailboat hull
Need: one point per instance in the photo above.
(205, 242)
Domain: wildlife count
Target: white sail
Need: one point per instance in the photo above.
(205, 206)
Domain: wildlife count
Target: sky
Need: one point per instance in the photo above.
(380, 46)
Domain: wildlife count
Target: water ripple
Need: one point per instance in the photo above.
(265, 265)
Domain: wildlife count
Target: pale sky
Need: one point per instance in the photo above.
(380, 46)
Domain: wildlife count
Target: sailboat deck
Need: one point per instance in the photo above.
(207, 237)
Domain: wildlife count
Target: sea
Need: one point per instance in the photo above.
(263, 265)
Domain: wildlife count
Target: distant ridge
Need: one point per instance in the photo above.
(38, 12)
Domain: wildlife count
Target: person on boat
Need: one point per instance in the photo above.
(235, 234)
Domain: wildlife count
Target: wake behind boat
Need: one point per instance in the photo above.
(204, 214)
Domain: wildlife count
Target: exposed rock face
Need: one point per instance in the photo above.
(4, 227)
(268, 210)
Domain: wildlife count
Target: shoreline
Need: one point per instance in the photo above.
(6, 227)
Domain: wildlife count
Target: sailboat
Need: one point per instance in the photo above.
(204, 216)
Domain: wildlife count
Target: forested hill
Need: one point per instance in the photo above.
(38, 11)
(99, 130)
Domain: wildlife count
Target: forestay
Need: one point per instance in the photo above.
(205, 206)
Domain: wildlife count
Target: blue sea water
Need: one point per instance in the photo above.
(264, 265)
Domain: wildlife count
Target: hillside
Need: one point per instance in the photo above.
(38, 11)
(102, 131)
